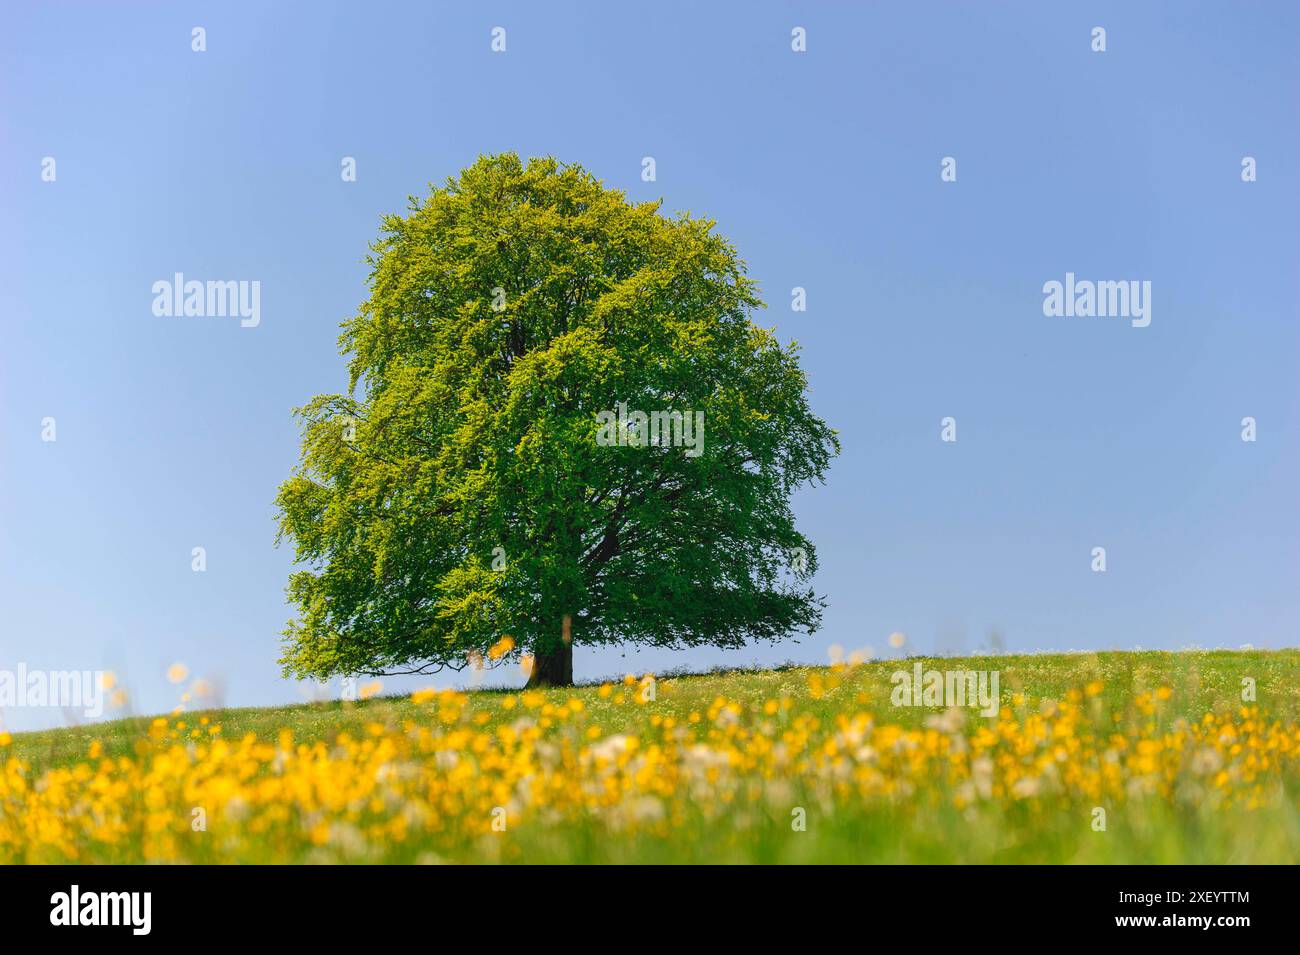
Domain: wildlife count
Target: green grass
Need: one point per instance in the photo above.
(933, 830)
(1202, 682)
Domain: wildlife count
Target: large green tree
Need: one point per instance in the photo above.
(468, 486)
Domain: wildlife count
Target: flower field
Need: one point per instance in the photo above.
(1111, 757)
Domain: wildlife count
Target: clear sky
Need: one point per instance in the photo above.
(925, 298)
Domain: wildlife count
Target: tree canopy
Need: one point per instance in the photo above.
(563, 428)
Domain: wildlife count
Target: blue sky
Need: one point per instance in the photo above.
(924, 297)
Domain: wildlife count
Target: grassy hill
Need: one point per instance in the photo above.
(794, 764)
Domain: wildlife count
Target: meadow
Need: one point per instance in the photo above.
(1116, 757)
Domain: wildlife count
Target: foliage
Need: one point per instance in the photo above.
(463, 496)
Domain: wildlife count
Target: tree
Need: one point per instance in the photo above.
(561, 427)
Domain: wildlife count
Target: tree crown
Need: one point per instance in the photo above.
(489, 471)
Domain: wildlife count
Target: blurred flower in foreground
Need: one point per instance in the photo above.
(607, 768)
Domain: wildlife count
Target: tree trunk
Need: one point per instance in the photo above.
(554, 667)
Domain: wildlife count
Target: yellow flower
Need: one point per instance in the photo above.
(425, 782)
